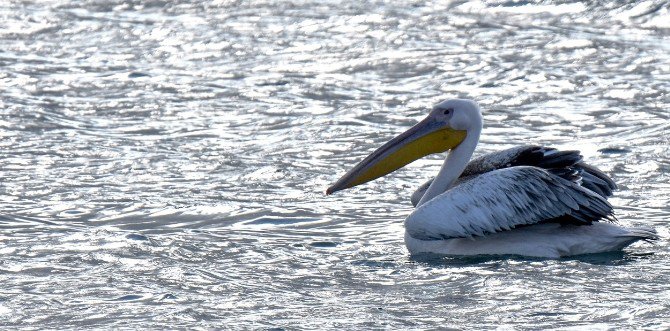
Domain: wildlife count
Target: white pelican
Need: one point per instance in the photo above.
(528, 200)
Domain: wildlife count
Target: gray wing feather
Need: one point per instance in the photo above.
(502, 199)
(566, 164)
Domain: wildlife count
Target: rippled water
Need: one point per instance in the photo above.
(163, 164)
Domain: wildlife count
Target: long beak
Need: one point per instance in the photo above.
(426, 137)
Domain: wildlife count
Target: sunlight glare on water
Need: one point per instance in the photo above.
(163, 163)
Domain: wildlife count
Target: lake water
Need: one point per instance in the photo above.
(163, 163)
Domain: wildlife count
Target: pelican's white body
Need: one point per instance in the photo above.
(549, 240)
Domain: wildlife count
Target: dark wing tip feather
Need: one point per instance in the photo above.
(545, 157)
(531, 155)
(563, 164)
(597, 185)
(560, 159)
(572, 174)
(595, 177)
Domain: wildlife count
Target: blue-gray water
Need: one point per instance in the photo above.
(162, 164)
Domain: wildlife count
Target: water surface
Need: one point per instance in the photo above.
(163, 163)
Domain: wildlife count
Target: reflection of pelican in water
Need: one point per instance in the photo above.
(528, 200)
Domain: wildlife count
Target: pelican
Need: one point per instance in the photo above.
(528, 200)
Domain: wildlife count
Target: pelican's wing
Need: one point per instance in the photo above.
(502, 199)
(536, 156)
(595, 180)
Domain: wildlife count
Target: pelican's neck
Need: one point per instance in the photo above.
(453, 166)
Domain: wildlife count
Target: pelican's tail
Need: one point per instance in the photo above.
(641, 233)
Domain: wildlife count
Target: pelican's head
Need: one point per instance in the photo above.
(443, 129)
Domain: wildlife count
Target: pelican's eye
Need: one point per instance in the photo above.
(448, 111)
